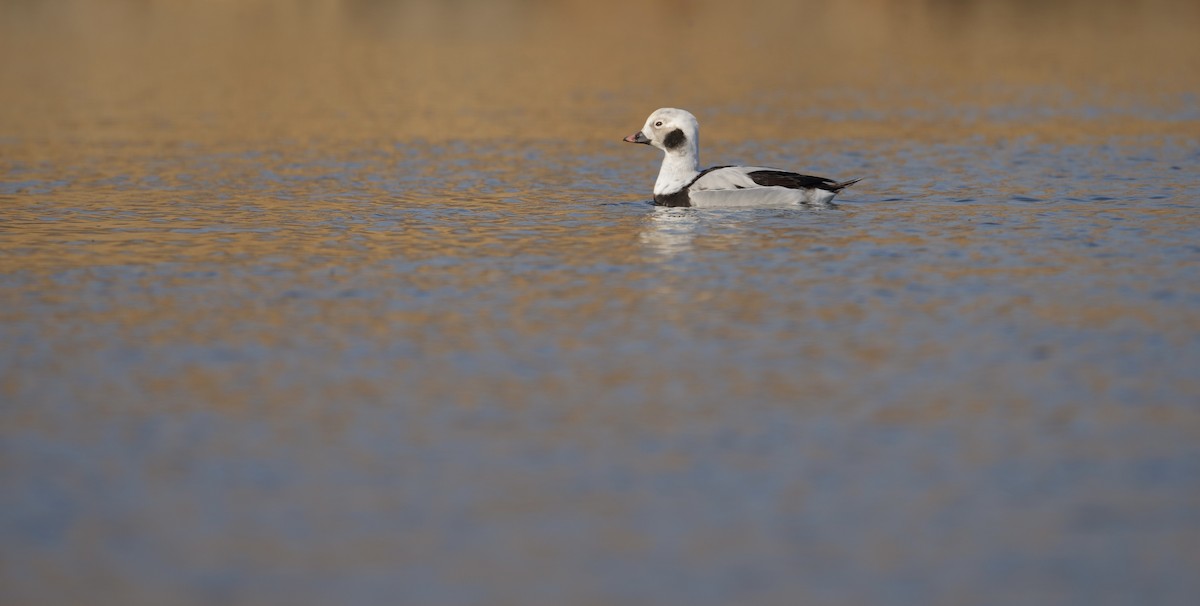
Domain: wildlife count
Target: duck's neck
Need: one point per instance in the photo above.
(678, 169)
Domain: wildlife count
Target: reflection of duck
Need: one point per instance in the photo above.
(681, 183)
(669, 231)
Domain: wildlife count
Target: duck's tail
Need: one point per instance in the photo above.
(836, 187)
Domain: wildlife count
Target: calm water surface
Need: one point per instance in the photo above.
(328, 336)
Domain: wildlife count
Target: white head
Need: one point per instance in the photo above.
(675, 131)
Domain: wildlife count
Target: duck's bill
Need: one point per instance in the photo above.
(637, 137)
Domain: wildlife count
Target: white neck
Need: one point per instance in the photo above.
(678, 169)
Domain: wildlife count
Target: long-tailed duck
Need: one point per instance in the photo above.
(681, 183)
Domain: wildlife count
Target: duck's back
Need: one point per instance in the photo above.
(747, 177)
(759, 186)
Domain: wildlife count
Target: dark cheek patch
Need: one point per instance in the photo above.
(674, 139)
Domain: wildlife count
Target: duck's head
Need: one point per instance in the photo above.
(675, 131)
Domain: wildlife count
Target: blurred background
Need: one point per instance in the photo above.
(166, 70)
(361, 301)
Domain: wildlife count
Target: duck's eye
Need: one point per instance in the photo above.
(659, 123)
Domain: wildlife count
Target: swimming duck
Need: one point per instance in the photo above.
(681, 183)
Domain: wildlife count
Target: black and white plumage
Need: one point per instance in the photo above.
(680, 182)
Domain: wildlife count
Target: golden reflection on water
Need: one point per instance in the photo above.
(359, 302)
(144, 73)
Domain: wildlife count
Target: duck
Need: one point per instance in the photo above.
(681, 182)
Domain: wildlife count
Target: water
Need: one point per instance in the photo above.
(307, 317)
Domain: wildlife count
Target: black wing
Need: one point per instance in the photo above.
(779, 178)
